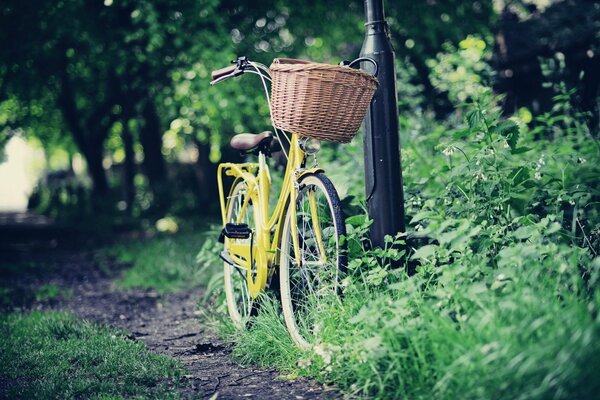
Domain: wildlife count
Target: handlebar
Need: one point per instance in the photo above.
(242, 64)
(222, 72)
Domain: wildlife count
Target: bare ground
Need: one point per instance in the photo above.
(168, 325)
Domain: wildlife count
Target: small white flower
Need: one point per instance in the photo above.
(448, 151)
(325, 354)
(572, 202)
(347, 282)
(416, 201)
(303, 363)
(480, 135)
(541, 161)
(582, 160)
(537, 176)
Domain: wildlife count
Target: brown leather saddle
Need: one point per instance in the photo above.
(263, 142)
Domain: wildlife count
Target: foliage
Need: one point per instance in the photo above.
(463, 73)
(138, 92)
(55, 355)
(504, 301)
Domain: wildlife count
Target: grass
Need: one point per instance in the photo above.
(55, 355)
(50, 291)
(11, 297)
(19, 296)
(451, 332)
(166, 263)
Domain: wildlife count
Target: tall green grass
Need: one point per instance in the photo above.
(504, 303)
(528, 329)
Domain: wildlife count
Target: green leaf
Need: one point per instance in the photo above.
(424, 252)
(474, 119)
(525, 232)
(520, 150)
(519, 175)
(510, 131)
(354, 264)
(460, 134)
(356, 220)
(421, 215)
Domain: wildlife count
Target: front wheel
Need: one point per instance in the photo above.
(311, 266)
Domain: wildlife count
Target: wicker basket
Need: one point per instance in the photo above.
(322, 101)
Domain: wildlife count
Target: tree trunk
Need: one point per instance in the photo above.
(129, 167)
(89, 139)
(154, 164)
(94, 155)
(205, 172)
(151, 140)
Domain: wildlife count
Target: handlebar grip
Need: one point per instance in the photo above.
(222, 72)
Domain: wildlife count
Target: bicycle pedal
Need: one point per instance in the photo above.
(237, 231)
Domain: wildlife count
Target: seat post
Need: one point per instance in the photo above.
(264, 189)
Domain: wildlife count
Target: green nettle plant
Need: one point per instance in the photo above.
(504, 301)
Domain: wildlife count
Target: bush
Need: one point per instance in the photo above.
(504, 302)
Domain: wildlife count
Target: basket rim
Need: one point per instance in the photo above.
(292, 65)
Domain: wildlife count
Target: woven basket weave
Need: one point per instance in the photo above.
(322, 101)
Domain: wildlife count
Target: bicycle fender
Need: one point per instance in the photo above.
(307, 171)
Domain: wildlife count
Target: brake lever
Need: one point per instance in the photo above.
(212, 83)
(241, 62)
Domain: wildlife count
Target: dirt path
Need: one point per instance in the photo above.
(166, 324)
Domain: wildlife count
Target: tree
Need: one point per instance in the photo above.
(98, 64)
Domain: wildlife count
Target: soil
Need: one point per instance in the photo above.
(168, 325)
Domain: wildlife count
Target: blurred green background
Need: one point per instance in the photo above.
(113, 115)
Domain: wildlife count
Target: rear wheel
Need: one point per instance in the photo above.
(310, 280)
(239, 302)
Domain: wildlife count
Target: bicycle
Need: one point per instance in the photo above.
(301, 241)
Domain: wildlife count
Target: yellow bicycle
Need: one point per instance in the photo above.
(300, 240)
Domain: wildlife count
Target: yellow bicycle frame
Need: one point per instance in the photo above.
(265, 241)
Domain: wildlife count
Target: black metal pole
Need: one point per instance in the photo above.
(383, 171)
